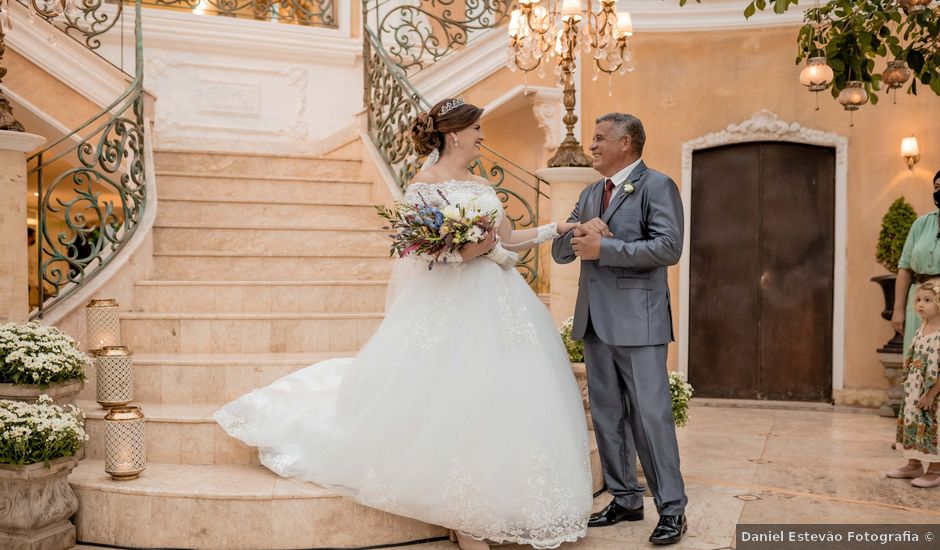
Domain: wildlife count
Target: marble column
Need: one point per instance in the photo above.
(566, 186)
(14, 265)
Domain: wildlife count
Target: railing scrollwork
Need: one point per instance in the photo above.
(91, 192)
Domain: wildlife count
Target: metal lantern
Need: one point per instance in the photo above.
(853, 95)
(114, 370)
(124, 441)
(896, 74)
(817, 75)
(101, 324)
(913, 6)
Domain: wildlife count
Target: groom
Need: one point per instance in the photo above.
(631, 231)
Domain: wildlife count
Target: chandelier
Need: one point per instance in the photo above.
(543, 33)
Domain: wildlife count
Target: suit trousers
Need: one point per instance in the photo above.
(631, 407)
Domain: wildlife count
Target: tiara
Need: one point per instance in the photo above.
(451, 105)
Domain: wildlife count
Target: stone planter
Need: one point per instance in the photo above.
(36, 503)
(63, 393)
(894, 364)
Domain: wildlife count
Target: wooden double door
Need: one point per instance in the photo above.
(761, 271)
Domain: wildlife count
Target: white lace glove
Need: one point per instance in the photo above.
(541, 234)
(504, 258)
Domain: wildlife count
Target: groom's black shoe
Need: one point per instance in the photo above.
(613, 514)
(669, 530)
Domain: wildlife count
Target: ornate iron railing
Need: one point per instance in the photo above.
(311, 13)
(393, 103)
(91, 195)
(84, 21)
(417, 34)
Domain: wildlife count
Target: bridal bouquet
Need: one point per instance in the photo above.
(434, 231)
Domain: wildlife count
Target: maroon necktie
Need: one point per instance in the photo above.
(605, 200)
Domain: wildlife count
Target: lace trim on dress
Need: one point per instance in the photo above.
(517, 327)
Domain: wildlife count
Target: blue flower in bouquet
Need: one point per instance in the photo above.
(429, 216)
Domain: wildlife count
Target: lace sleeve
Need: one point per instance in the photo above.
(524, 239)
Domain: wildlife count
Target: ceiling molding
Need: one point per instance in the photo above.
(711, 15)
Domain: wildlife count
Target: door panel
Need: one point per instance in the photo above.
(724, 255)
(761, 282)
(798, 205)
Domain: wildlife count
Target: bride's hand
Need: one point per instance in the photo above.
(473, 250)
(564, 227)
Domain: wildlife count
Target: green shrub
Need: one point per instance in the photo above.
(894, 228)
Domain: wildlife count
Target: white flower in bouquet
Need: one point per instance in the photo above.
(451, 213)
(475, 234)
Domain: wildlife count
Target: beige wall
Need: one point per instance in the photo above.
(689, 84)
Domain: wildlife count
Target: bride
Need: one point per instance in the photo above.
(462, 409)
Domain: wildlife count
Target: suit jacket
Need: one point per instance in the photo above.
(625, 292)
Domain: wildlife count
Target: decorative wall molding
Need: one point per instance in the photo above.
(238, 38)
(710, 15)
(766, 126)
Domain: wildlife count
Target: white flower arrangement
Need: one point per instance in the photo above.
(36, 354)
(39, 432)
(628, 188)
(575, 347)
(681, 391)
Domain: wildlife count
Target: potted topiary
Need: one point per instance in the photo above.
(895, 225)
(37, 359)
(38, 443)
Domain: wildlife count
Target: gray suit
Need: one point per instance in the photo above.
(623, 315)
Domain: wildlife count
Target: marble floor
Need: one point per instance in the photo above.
(762, 465)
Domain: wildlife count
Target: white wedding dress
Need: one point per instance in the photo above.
(460, 411)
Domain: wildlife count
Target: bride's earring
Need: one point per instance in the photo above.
(455, 141)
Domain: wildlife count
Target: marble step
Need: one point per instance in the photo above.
(207, 378)
(260, 296)
(201, 185)
(268, 213)
(222, 164)
(187, 434)
(247, 332)
(231, 507)
(198, 265)
(174, 434)
(285, 240)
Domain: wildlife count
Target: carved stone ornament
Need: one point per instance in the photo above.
(36, 503)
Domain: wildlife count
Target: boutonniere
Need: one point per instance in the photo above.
(627, 188)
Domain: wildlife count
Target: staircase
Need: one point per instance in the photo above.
(262, 265)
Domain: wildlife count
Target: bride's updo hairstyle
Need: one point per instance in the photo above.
(449, 115)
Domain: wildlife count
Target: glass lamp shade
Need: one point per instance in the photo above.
(853, 95)
(909, 147)
(896, 74)
(624, 24)
(817, 75)
(571, 9)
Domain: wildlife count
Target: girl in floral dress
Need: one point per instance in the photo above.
(917, 421)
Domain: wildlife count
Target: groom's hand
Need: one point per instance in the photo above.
(596, 225)
(587, 247)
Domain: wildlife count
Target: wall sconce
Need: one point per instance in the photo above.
(124, 443)
(102, 327)
(115, 377)
(910, 151)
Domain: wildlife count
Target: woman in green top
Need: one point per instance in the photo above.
(919, 261)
